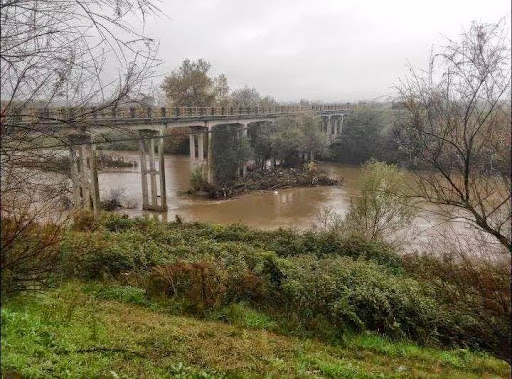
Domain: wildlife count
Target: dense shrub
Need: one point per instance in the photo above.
(357, 295)
(85, 221)
(201, 283)
(319, 280)
(94, 255)
(475, 293)
(29, 253)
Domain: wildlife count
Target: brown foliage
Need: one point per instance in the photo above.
(474, 286)
(29, 254)
(201, 283)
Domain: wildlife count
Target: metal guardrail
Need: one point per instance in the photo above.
(95, 114)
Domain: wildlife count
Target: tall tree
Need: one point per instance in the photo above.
(190, 85)
(456, 123)
(245, 97)
(366, 133)
(295, 134)
(72, 54)
(221, 89)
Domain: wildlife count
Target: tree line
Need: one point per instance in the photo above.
(192, 85)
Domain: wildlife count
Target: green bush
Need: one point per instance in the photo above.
(321, 281)
(94, 255)
(475, 293)
(199, 181)
(357, 295)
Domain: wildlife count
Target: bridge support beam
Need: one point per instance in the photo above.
(192, 148)
(209, 154)
(330, 125)
(84, 173)
(197, 156)
(198, 160)
(200, 148)
(245, 164)
(147, 150)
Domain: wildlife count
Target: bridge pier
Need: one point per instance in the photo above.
(209, 158)
(244, 134)
(192, 149)
(197, 157)
(84, 173)
(147, 150)
(202, 160)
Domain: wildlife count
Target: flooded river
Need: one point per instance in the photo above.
(293, 207)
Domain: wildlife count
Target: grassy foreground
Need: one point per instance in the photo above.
(92, 330)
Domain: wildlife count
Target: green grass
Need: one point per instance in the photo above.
(91, 330)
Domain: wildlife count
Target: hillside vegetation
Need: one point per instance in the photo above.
(95, 330)
(138, 297)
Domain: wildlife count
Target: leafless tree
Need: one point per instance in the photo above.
(455, 126)
(83, 57)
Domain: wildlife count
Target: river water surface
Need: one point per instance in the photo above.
(292, 207)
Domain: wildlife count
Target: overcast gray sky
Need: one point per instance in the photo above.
(330, 50)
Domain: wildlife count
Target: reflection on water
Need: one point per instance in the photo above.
(292, 207)
(295, 207)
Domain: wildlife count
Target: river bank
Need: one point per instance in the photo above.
(219, 276)
(114, 331)
(62, 163)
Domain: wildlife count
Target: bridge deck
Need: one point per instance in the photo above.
(147, 115)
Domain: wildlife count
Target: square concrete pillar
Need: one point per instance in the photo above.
(210, 176)
(84, 173)
(200, 147)
(192, 140)
(147, 142)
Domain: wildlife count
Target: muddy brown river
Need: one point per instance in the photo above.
(292, 207)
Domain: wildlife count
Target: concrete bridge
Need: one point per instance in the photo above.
(81, 124)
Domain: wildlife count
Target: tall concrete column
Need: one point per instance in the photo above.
(84, 178)
(161, 167)
(200, 147)
(192, 150)
(84, 174)
(210, 176)
(143, 171)
(152, 173)
(75, 178)
(244, 135)
(95, 193)
(149, 152)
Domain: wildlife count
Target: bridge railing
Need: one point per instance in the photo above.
(92, 114)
